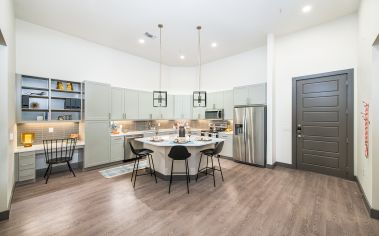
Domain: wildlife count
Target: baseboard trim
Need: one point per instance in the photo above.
(372, 212)
(4, 215)
(281, 164)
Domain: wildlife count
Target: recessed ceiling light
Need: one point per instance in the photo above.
(214, 45)
(306, 9)
(182, 57)
(141, 41)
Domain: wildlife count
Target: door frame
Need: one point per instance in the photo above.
(350, 118)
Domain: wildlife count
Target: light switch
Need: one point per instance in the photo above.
(11, 136)
(51, 130)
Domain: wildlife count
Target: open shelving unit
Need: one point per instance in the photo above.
(42, 100)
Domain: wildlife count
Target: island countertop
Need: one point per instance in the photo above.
(168, 141)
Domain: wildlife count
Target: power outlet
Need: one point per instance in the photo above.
(51, 130)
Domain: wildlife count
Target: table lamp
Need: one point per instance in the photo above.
(27, 139)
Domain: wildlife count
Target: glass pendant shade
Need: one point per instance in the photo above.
(199, 99)
(159, 98)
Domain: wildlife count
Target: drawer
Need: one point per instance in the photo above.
(26, 174)
(26, 160)
(27, 154)
(22, 167)
(117, 139)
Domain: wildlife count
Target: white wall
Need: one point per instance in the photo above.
(368, 64)
(44, 52)
(7, 103)
(324, 48)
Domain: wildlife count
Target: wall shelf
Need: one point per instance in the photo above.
(51, 102)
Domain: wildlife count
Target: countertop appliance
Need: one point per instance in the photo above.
(249, 135)
(214, 114)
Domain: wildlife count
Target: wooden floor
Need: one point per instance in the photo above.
(251, 201)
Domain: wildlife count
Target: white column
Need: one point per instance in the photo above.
(271, 154)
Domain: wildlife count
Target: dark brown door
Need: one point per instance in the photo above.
(322, 123)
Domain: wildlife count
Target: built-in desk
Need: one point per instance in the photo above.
(30, 161)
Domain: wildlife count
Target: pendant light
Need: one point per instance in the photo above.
(199, 97)
(160, 97)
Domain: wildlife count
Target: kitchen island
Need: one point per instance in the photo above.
(161, 149)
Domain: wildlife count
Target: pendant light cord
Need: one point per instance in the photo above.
(160, 56)
(199, 50)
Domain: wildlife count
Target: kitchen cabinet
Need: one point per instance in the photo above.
(182, 107)
(131, 107)
(117, 148)
(215, 100)
(26, 166)
(228, 104)
(198, 113)
(167, 112)
(97, 101)
(227, 150)
(97, 148)
(145, 104)
(117, 103)
(252, 94)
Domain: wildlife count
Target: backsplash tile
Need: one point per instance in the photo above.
(41, 131)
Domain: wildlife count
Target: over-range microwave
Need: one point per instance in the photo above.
(214, 114)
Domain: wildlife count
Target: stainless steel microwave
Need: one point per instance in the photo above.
(214, 114)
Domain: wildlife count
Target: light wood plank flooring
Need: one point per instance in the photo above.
(251, 201)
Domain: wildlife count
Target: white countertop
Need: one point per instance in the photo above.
(130, 133)
(168, 141)
(39, 147)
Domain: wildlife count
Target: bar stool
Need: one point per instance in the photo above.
(179, 153)
(211, 153)
(142, 153)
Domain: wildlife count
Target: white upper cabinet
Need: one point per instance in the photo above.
(241, 95)
(117, 103)
(182, 107)
(228, 104)
(252, 94)
(215, 100)
(168, 112)
(131, 108)
(257, 93)
(145, 104)
(97, 101)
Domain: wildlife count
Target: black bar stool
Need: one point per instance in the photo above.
(179, 153)
(58, 151)
(142, 153)
(212, 152)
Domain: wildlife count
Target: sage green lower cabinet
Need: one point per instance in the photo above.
(117, 148)
(97, 148)
(26, 166)
(227, 150)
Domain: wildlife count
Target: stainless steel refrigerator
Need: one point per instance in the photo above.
(249, 137)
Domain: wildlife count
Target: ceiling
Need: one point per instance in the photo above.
(236, 25)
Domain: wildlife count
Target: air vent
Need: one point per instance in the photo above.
(151, 36)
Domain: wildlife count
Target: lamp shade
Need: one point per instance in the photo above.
(27, 139)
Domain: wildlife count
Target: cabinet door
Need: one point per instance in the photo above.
(145, 105)
(97, 147)
(211, 103)
(198, 113)
(131, 104)
(257, 94)
(187, 106)
(117, 103)
(240, 95)
(228, 104)
(117, 148)
(178, 107)
(218, 100)
(168, 112)
(227, 150)
(97, 101)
